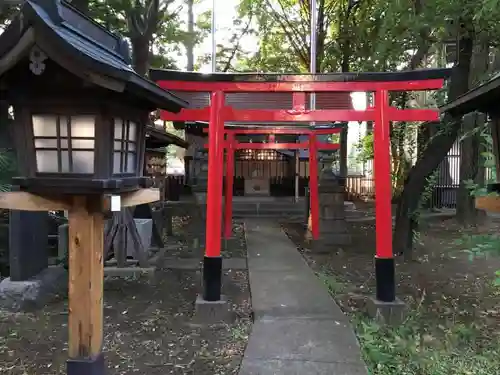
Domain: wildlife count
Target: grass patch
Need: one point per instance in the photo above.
(334, 286)
(423, 344)
(412, 349)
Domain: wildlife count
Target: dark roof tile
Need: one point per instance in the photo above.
(407, 75)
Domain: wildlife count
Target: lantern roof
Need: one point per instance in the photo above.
(83, 47)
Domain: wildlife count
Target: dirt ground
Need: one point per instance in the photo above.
(147, 328)
(443, 288)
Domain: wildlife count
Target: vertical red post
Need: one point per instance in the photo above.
(228, 206)
(212, 262)
(384, 261)
(313, 186)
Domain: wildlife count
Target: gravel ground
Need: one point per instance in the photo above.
(147, 328)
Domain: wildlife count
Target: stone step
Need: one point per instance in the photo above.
(286, 218)
(269, 212)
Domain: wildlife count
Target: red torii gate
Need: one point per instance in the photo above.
(218, 113)
(313, 145)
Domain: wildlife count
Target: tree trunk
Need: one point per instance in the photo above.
(140, 54)
(434, 153)
(142, 24)
(470, 168)
(190, 42)
(398, 133)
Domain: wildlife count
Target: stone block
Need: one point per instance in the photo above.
(28, 295)
(212, 312)
(257, 186)
(28, 254)
(145, 230)
(333, 226)
(390, 313)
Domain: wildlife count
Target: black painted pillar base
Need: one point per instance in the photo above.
(86, 366)
(212, 278)
(385, 277)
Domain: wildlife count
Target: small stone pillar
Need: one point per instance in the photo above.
(200, 162)
(32, 283)
(199, 188)
(28, 253)
(332, 220)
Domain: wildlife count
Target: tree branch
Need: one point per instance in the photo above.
(286, 28)
(423, 38)
(229, 61)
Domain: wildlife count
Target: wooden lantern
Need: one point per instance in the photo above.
(80, 111)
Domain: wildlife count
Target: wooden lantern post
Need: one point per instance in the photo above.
(86, 271)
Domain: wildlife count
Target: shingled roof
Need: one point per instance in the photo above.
(483, 98)
(406, 75)
(81, 46)
(158, 137)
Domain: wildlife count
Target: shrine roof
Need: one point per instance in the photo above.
(410, 75)
(483, 97)
(157, 137)
(82, 46)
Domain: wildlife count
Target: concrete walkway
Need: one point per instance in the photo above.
(298, 328)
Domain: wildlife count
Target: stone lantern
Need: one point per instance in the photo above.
(80, 113)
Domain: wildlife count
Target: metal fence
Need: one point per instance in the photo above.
(444, 191)
(360, 187)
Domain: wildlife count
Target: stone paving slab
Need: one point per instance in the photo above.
(303, 340)
(273, 264)
(291, 293)
(290, 367)
(298, 328)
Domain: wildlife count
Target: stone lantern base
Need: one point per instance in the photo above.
(332, 221)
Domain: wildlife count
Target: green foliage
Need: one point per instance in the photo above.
(420, 345)
(488, 244)
(413, 348)
(365, 149)
(430, 184)
(481, 246)
(169, 36)
(334, 286)
(487, 161)
(6, 12)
